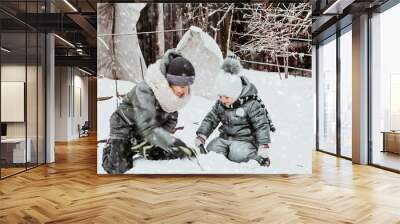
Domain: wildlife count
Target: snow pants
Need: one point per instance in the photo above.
(236, 151)
(117, 156)
(117, 153)
(124, 144)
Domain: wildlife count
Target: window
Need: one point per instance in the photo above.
(346, 93)
(327, 95)
(22, 66)
(385, 89)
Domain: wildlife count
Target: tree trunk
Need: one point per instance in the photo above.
(225, 33)
(160, 27)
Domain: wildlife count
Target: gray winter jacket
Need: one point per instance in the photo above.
(246, 121)
(149, 110)
(140, 116)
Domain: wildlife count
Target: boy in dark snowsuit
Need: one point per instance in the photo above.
(144, 122)
(245, 129)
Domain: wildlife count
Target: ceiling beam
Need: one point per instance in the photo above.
(86, 27)
(82, 61)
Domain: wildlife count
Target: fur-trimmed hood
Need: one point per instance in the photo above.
(169, 102)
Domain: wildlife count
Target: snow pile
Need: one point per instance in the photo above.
(210, 163)
(291, 106)
(204, 53)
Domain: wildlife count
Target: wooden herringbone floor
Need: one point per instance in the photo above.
(70, 191)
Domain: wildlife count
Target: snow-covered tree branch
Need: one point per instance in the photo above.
(281, 31)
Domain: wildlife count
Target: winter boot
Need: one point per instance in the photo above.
(117, 158)
(263, 161)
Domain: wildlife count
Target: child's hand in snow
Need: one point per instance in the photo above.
(200, 140)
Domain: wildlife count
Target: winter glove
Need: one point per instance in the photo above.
(199, 141)
(145, 150)
(167, 58)
(180, 149)
(141, 149)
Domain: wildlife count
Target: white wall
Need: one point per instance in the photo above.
(13, 73)
(17, 73)
(70, 83)
(61, 103)
(79, 117)
(33, 126)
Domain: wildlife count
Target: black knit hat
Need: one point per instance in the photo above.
(180, 72)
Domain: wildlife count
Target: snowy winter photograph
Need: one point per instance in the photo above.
(204, 88)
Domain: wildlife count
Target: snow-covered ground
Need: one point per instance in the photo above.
(289, 101)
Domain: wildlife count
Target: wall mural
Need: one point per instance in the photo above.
(205, 88)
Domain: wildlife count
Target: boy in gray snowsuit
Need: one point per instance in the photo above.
(245, 128)
(144, 122)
